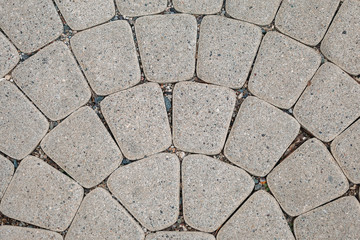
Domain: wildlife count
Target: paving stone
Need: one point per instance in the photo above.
(109, 65)
(133, 8)
(260, 135)
(137, 117)
(9, 56)
(282, 69)
(306, 20)
(180, 236)
(227, 49)
(198, 6)
(22, 126)
(53, 81)
(167, 45)
(201, 117)
(40, 195)
(82, 146)
(306, 179)
(330, 104)
(212, 191)
(6, 173)
(23, 233)
(149, 189)
(30, 24)
(112, 220)
(260, 217)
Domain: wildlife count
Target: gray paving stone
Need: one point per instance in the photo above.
(180, 236)
(133, 8)
(6, 173)
(22, 126)
(53, 81)
(40, 195)
(109, 65)
(282, 69)
(306, 179)
(330, 104)
(82, 146)
(260, 135)
(149, 189)
(306, 20)
(212, 191)
(9, 56)
(201, 117)
(30, 24)
(137, 117)
(167, 45)
(198, 6)
(227, 49)
(22, 233)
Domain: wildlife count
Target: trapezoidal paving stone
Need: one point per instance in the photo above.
(134, 8)
(6, 173)
(198, 6)
(25, 233)
(179, 236)
(9, 55)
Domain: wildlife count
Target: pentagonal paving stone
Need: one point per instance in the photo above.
(30, 24)
(167, 45)
(9, 56)
(109, 65)
(201, 116)
(137, 117)
(306, 20)
(83, 147)
(6, 172)
(306, 179)
(282, 69)
(53, 81)
(260, 217)
(227, 49)
(22, 233)
(260, 135)
(149, 189)
(102, 217)
(198, 6)
(180, 236)
(212, 190)
(22, 126)
(40, 195)
(330, 104)
(133, 8)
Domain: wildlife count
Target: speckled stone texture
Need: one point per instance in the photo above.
(306, 179)
(339, 219)
(9, 56)
(201, 117)
(306, 20)
(198, 6)
(180, 236)
(260, 135)
(6, 173)
(22, 126)
(330, 104)
(282, 69)
(227, 49)
(212, 190)
(40, 195)
(102, 217)
(109, 64)
(23, 233)
(260, 217)
(133, 8)
(137, 117)
(167, 45)
(149, 189)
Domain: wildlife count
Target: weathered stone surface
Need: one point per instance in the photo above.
(330, 104)
(201, 116)
(212, 191)
(9, 56)
(180, 236)
(149, 189)
(227, 49)
(40, 195)
(53, 81)
(22, 233)
(198, 6)
(133, 8)
(137, 117)
(110, 65)
(260, 135)
(22, 126)
(282, 69)
(6, 172)
(167, 45)
(306, 179)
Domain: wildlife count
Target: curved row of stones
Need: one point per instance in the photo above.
(50, 86)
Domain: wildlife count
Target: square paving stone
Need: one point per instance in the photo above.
(53, 81)
(6, 173)
(282, 69)
(180, 236)
(40, 195)
(167, 45)
(227, 49)
(82, 146)
(201, 116)
(23, 233)
(9, 55)
(22, 126)
(306, 179)
(137, 117)
(133, 8)
(110, 65)
(330, 104)
(198, 6)
(260, 135)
